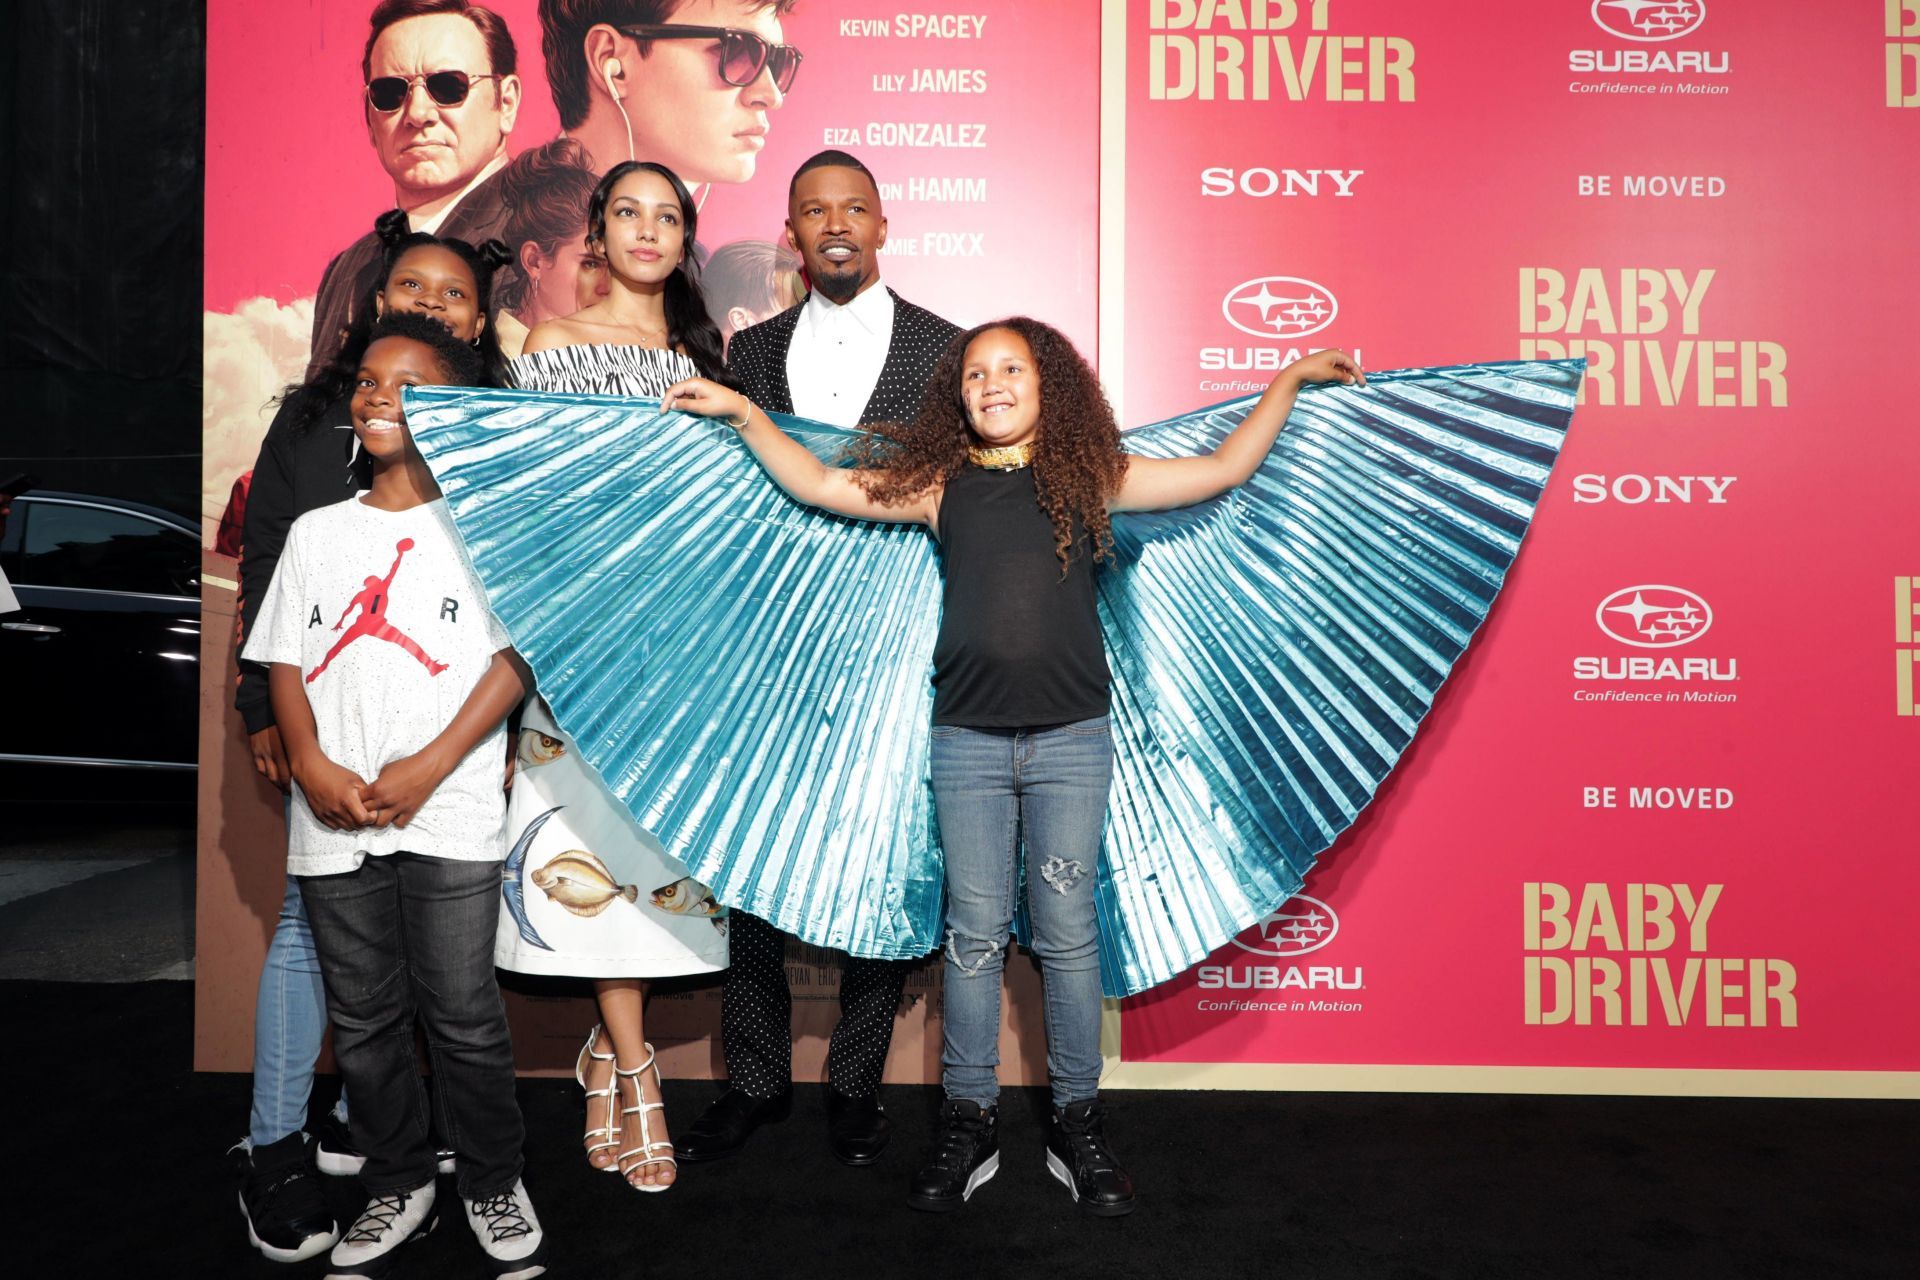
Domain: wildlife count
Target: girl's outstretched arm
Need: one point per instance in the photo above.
(793, 468)
(1156, 484)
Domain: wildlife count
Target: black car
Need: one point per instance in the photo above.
(100, 666)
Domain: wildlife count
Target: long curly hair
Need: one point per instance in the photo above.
(1077, 462)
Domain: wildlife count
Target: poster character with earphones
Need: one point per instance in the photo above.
(691, 84)
(442, 92)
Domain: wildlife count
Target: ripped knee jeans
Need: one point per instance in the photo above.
(1021, 813)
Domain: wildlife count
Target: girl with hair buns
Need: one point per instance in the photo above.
(418, 273)
(590, 893)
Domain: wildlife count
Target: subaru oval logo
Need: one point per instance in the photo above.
(1650, 19)
(1279, 307)
(1651, 617)
(1301, 924)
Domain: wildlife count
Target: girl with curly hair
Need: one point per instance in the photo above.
(1014, 463)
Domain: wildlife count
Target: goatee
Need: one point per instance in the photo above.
(840, 287)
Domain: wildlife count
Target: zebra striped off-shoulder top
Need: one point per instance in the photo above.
(609, 370)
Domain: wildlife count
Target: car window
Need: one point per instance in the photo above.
(67, 546)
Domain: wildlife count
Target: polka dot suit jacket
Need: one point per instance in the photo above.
(758, 357)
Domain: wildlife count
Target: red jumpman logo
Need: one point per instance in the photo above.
(373, 620)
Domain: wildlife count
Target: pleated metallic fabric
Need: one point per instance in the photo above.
(750, 676)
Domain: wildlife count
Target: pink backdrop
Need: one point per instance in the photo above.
(1467, 185)
(1788, 508)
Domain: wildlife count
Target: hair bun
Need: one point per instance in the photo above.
(392, 227)
(528, 175)
(495, 253)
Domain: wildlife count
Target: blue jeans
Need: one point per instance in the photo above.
(289, 1023)
(994, 791)
(407, 938)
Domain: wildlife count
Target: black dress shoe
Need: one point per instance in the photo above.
(725, 1126)
(857, 1128)
(1078, 1155)
(966, 1153)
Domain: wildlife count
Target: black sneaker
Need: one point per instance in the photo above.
(338, 1157)
(371, 1247)
(1078, 1155)
(334, 1150)
(287, 1220)
(966, 1153)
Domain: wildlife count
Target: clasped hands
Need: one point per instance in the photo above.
(344, 801)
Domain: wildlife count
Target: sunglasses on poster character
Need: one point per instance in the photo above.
(743, 55)
(447, 88)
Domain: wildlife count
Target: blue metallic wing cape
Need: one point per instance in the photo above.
(751, 676)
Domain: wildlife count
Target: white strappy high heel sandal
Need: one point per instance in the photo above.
(647, 1146)
(609, 1133)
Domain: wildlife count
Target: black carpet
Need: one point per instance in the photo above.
(116, 1160)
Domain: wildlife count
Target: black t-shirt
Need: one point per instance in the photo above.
(1019, 644)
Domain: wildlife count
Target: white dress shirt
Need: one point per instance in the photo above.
(837, 353)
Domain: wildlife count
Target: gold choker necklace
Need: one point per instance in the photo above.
(1007, 457)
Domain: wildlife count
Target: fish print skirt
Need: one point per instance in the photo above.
(589, 893)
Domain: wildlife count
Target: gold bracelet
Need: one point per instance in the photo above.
(745, 419)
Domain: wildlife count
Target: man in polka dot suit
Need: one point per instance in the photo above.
(854, 352)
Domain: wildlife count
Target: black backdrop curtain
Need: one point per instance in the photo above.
(102, 126)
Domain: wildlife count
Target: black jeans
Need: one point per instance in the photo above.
(408, 937)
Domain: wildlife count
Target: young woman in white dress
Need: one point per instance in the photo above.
(589, 892)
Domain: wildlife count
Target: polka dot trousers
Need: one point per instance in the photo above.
(756, 1018)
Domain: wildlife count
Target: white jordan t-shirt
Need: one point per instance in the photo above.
(384, 617)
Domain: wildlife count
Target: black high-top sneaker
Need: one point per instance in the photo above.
(334, 1149)
(287, 1219)
(337, 1156)
(1078, 1155)
(966, 1153)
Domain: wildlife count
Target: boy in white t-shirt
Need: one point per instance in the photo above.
(391, 682)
